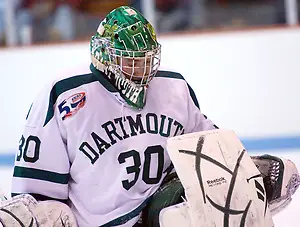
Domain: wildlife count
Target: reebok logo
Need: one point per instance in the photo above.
(216, 181)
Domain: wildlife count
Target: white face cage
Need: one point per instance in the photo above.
(137, 66)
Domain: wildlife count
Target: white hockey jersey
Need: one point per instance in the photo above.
(83, 144)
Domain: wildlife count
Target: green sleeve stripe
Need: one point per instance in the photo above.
(38, 174)
(168, 74)
(40, 197)
(63, 86)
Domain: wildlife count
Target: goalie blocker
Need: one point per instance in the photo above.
(223, 185)
(24, 210)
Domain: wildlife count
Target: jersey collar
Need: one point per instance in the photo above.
(134, 96)
(101, 77)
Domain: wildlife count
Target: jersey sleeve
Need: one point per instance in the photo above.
(197, 120)
(42, 163)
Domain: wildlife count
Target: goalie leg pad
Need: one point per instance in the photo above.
(176, 215)
(222, 185)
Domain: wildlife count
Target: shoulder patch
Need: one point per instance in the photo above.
(70, 106)
(63, 86)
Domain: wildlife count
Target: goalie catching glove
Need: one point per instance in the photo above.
(24, 210)
(281, 180)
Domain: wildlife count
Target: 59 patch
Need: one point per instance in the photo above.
(70, 106)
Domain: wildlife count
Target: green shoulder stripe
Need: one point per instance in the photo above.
(38, 174)
(193, 96)
(169, 74)
(29, 111)
(174, 75)
(63, 86)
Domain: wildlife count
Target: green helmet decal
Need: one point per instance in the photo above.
(125, 29)
(128, 30)
(123, 36)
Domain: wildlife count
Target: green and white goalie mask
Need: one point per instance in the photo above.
(126, 50)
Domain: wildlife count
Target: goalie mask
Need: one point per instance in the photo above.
(126, 50)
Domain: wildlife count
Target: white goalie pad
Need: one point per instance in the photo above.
(24, 210)
(176, 215)
(222, 185)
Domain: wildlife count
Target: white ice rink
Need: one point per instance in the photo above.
(287, 218)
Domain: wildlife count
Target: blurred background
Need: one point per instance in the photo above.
(25, 22)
